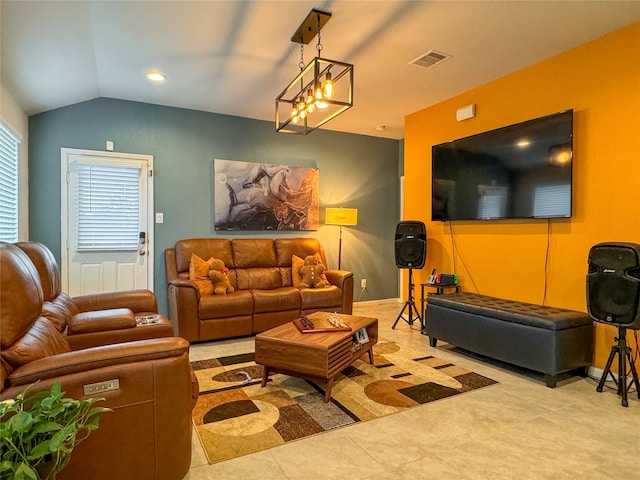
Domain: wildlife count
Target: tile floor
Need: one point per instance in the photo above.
(518, 429)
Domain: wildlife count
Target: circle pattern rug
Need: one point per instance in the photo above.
(235, 416)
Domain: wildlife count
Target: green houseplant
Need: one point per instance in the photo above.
(38, 432)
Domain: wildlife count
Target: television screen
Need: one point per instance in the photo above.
(520, 171)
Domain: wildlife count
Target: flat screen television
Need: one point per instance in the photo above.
(519, 171)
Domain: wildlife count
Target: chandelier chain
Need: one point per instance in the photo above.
(319, 44)
(301, 64)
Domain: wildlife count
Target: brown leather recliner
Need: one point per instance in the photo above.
(95, 319)
(152, 387)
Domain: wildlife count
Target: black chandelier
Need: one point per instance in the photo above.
(321, 91)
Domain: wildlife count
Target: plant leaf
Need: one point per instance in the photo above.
(25, 472)
(21, 421)
(40, 450)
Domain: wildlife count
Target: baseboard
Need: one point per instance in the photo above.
(596, 373)
(383, 301)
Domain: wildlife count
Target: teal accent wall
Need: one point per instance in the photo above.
(356, 171)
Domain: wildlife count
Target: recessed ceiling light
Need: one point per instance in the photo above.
(156, 76)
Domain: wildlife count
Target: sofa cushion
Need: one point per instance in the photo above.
(41, 340)
(258, 278)
(328, 297)
(286, 248)
(199, 274)
(204, 248)
(276, 300)
(253, 253)
(233, 304)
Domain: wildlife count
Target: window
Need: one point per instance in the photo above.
(108, 206)
(8, 185)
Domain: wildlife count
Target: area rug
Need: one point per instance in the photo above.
(235, 416)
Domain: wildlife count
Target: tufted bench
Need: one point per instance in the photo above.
(545, 339)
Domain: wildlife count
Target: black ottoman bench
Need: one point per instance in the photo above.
(544, 339)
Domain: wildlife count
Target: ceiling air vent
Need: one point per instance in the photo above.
(430, 58)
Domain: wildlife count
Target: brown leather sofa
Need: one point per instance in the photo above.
(264, 296)
(148, 434)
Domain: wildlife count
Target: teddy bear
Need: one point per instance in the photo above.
(310, 272)
(219, 275)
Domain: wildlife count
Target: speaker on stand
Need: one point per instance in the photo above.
(410, 252)
(613, 298)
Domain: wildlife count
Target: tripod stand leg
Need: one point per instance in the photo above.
(622, 373)
(634, 373)
(418, 316)
(607, 368)
(406, 304)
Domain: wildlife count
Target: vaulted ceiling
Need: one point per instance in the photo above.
(235, 57)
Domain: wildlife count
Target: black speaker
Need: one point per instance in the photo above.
(613, 284)
(411, 244)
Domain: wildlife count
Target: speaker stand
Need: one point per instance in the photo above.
(624, 354)
(410, 307)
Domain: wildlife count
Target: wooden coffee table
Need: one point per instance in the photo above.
(285, 349)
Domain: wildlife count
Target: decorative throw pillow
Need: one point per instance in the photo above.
(199, 274)
(296, 263)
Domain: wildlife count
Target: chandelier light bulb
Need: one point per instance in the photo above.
(320, 103)
(311, 102)
(328, 86)
(302, 107)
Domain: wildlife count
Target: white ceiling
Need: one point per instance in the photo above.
(235, 57)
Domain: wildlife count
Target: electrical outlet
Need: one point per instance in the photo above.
(363, 283)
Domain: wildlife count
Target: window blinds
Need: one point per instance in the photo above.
(108, 207)
(8, 186)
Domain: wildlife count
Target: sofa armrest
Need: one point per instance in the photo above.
(82, 361)
(184, 299)
(136, 300)
(338, 277)
(100, 321)
(344, 280)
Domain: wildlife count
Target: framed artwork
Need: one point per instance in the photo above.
(261, 196)
(362, 336)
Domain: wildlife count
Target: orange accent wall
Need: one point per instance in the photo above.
(600, 80)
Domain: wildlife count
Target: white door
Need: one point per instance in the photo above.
(107, 206)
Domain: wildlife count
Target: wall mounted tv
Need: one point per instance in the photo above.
(520, 171)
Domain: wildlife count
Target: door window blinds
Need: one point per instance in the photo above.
(108, 207)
